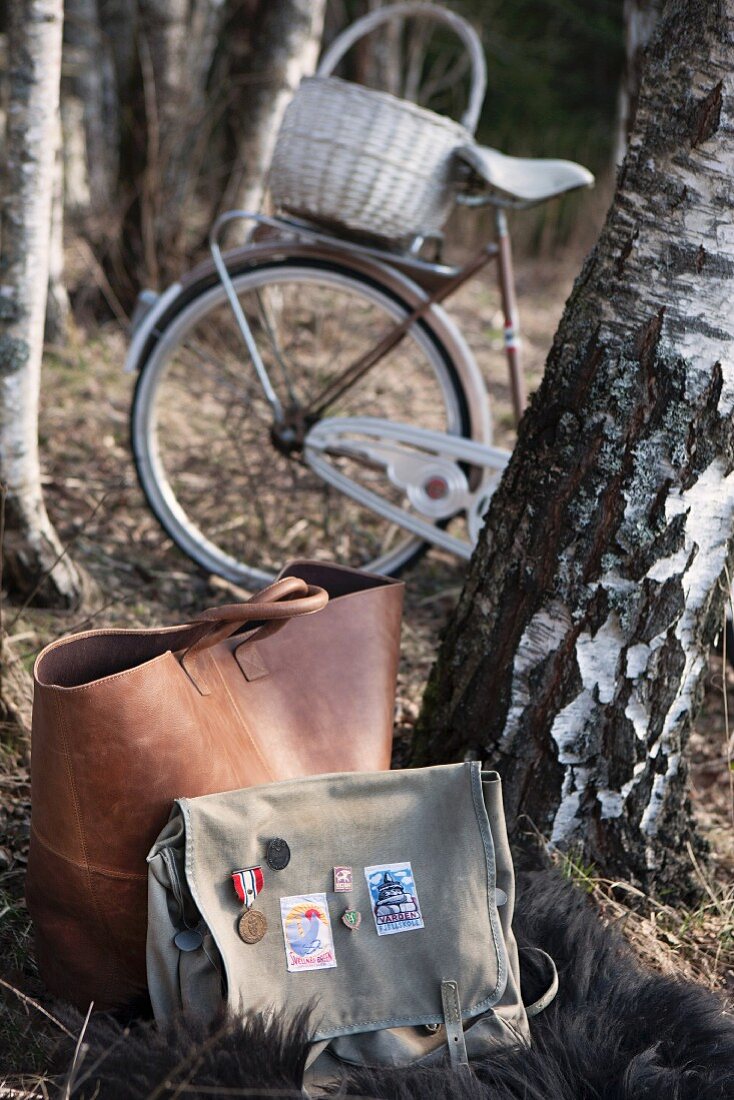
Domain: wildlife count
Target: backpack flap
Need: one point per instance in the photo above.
(372, 899)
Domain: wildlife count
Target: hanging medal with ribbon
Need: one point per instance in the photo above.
(252, 924)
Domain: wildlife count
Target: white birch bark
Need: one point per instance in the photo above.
(77, 196)
(640, 17)
(58, 310)
(32, 551)
(287, 44)
(575, 659)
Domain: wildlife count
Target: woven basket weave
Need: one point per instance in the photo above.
(364, 160)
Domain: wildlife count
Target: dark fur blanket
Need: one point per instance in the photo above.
(613, 1032)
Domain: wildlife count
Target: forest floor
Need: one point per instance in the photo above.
(141, 579)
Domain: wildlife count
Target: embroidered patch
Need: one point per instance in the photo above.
(342, 880)
(395, 904)
(307, 932)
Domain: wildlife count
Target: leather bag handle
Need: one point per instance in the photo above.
(285, 599)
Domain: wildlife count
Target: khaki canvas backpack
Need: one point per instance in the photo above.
(383, 901)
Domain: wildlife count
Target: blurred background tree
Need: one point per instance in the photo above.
(168, 112)
(170, 107)
(555, 72)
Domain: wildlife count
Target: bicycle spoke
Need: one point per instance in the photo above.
(270, 328)
(239, 387)
(242, 495)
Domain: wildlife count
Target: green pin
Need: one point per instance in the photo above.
(352, 918)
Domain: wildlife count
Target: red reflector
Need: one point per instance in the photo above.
(436, 488)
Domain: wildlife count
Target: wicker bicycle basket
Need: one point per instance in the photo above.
(364, 160)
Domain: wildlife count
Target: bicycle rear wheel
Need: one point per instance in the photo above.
(217, 478)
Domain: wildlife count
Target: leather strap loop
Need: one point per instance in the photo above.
(545, 999)
(275, 605)
(455, 1040)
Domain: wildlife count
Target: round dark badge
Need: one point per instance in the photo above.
(252, 926)
(278, 854)
(188, 939)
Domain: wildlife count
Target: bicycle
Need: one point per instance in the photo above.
(361, 430)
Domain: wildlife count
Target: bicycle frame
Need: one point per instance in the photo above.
(430, 468)
(439, 281)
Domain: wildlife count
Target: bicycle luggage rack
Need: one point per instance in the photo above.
(293, 227)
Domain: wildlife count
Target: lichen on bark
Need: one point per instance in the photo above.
(14, 353)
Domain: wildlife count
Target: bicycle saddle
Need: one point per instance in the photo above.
(521, 180)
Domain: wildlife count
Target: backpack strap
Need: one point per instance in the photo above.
(454, 1026)
(543, 1001)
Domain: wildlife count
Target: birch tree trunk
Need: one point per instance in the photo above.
(574, 660)
(58, 309)
(92, 87)
(287, 40)
(200, 87)
(162, 53)
(186, 147)
(32, 554)
(640, 17)
(163, 37)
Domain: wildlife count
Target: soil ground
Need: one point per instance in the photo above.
(142, 578)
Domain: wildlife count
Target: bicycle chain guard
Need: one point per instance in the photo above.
(425, 465)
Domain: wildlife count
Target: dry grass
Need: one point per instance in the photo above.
(696, 944)
(141, 578)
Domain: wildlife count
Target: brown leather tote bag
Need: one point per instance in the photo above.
(299, 680)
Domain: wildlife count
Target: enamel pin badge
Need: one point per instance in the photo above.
(342, 880)
(277, 854)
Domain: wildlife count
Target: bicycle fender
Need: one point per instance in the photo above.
(396, 281)
(146, 328)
